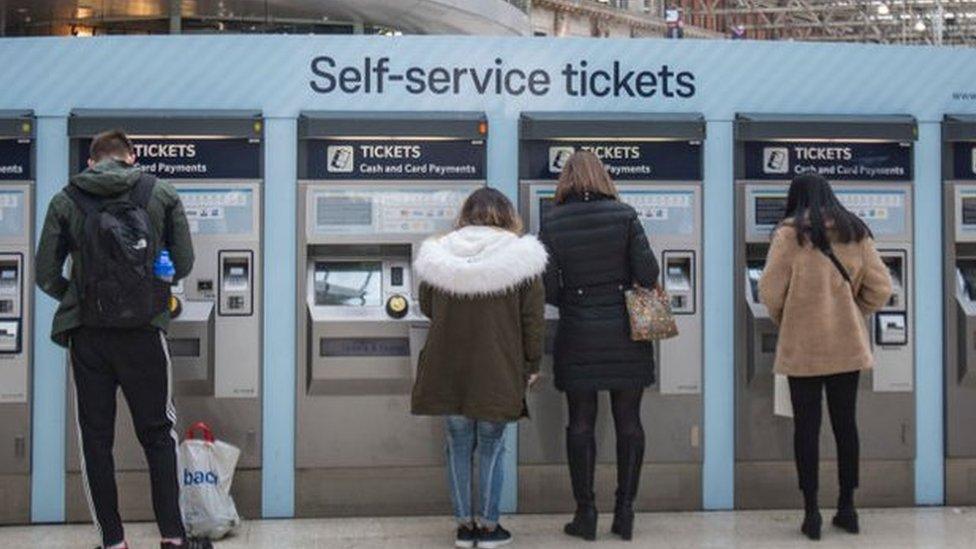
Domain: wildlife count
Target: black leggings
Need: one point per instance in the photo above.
(806, 395)
(625, 404)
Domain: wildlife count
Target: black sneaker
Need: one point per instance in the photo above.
(466, 537)
(489, 539)
(189, 543)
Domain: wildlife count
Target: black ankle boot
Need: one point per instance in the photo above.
(812, 522)
(846, 519)
(630, 457)
(623, 521)
(583, 524)
(581, 455)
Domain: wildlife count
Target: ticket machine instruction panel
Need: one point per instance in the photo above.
(870, 166)
(372, 188)
(16, 311)
(214, 160)
(655, 161)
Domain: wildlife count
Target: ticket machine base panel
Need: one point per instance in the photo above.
(135, 501)
(773, 484)
(960, 481)
(374, 491)
(15, 463)
(15, 490)
(663, 487)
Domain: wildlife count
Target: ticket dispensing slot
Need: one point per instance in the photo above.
(191, 346)
(891, 323)
(679, 276)
(762, 331)
(236, 283)
(10, 303)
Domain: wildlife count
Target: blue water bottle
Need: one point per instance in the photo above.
(163, 267)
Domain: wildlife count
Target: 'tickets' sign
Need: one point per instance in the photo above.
(15, 160)
(232, 158)
(624, 160)
(834, 160)
(368, 159)
(964, 163)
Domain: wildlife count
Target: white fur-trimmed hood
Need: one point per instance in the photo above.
(477, 260)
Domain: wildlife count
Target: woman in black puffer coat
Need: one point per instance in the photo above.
(597, 249)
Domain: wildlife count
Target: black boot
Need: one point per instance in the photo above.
(846, 517)
(630, 457)
(581, 454)
(812, 521)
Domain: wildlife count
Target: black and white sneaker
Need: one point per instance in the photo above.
(466, 537)
(489, 539)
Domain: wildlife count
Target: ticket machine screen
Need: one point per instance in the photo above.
(969, 211)
(348, 283)
(545, 204)
(770, 210)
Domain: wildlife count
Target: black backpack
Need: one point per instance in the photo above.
(118, 249)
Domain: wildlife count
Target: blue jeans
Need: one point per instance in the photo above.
(463, 435)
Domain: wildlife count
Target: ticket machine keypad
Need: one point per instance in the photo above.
(235, 284)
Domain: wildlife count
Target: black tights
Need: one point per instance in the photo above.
(581, 445)
(807, 396)
(625, 404)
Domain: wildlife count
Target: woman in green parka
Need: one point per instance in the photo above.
(481, 287)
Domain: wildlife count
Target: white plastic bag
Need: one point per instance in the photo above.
(782, 405)
(206, 472)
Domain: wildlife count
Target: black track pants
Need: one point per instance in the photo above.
(137, 361)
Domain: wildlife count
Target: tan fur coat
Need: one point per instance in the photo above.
(822, 328)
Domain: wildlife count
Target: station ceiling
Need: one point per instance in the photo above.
(494, 17)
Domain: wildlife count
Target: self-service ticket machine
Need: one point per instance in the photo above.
(16, 308)
(372, 187)
(215, 161)
(959, 214)
(656, 162)
(869, 163)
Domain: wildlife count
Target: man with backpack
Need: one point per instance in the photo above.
(117, 223)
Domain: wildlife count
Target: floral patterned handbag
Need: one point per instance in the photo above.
(650, 314)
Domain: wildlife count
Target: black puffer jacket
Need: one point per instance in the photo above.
(597, 248)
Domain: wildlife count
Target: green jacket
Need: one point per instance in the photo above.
(482, 289)
(64, 224)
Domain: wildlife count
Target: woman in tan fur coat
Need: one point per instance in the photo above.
(823, 276)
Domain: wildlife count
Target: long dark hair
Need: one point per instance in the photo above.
(813, 205)
(584, 173)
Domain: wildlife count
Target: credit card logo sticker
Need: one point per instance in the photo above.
(558, 156)
(340, 158)
(776, 160)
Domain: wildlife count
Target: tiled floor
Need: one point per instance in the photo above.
(887, 529)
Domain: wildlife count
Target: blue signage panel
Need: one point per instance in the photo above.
(15, 159)
(412, 159)
(834, 160)
(191, 158)
(964, 160)
(624, 160)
